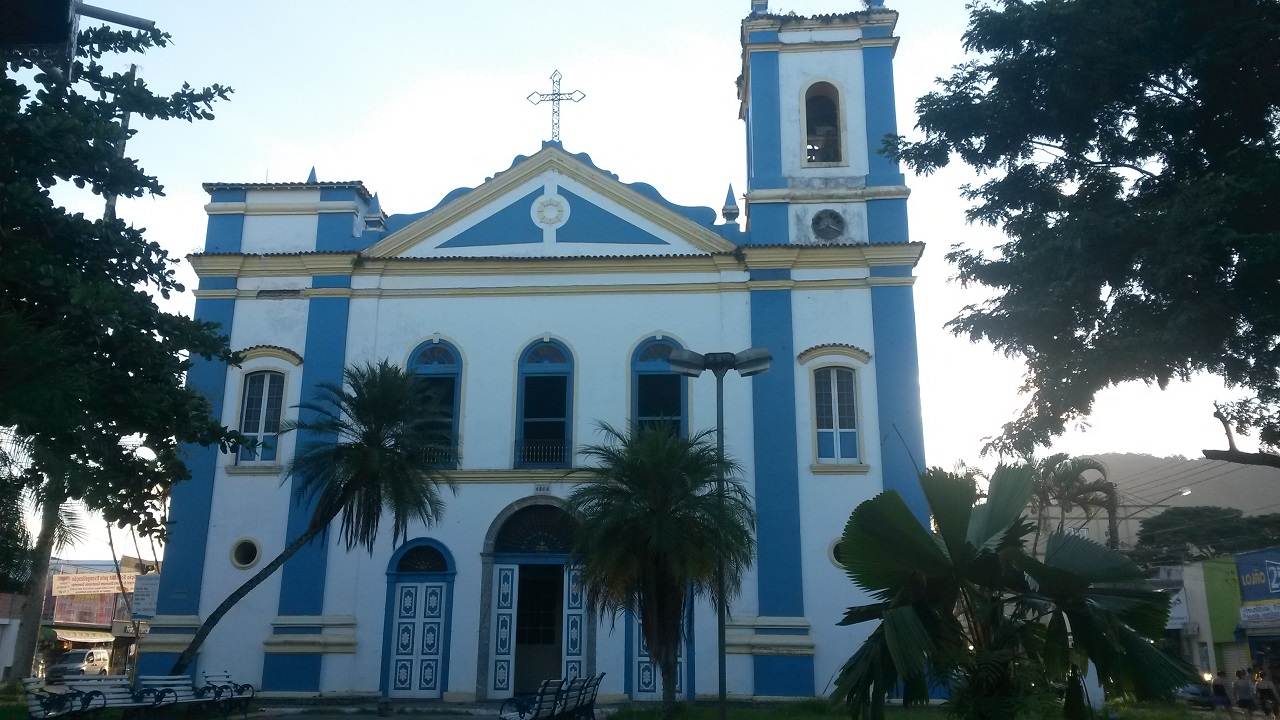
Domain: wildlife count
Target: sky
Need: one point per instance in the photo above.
(418, 97)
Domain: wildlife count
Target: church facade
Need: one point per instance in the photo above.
(542, 302)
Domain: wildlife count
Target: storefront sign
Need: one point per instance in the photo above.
(1178, 614)
(146, 589)
(91, 583)
(1259, 574)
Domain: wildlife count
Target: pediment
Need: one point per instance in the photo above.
(551, 205)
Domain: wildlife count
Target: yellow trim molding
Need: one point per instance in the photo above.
(821, 469)
(828, 195)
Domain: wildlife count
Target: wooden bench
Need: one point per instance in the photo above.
(587, 708)
(176, 690)
(112, 692)
(44, 703)
(556, 700)
(544, 705)
(229, 693)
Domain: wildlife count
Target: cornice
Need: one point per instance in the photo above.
(771, 257)
(567, 290)
(281, 208)
(859, 44)
(828, 195)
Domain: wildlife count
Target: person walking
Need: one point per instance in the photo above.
(1268, 701)
(1220, 693)
(1243, 691)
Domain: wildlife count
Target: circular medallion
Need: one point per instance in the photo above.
(550, 211)
(828, 224)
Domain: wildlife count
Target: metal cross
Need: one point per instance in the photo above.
(555, 96)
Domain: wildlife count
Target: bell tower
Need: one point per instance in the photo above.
(817, 97)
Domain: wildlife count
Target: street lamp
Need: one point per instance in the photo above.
(1183, 491)
(751, 361)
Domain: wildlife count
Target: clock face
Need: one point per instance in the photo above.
(828, 224)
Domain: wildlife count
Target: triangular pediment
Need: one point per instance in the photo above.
(551, 205)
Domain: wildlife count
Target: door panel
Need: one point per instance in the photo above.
(506, 579)
(417, 647)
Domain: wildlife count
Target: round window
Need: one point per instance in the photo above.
(245, 553)
(835, 553)
(828, 224)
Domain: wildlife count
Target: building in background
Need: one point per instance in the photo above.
(543, 301)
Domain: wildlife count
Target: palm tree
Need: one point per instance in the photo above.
(652, 527)
(964, 607)
(386, 438)
(1060, 479)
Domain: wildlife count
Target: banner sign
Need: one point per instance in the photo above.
(91, 583)
(1178, 614)
(146, 590)
(1259, 574)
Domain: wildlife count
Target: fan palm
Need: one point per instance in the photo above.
(386, 439)
(1060, 479)
(965, 608)
(653, 527)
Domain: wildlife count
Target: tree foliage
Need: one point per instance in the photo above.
(1187, 534)
(652, 528)
(1133, 160)
(90, 366)
(378, 449)
(964, 607)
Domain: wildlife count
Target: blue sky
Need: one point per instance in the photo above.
(416, 98)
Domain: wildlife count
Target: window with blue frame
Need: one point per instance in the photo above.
(438, 367)
(835, 405)
(260, 412)
(657, 394)
(543, 437)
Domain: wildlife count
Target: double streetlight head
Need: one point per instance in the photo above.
(751, 361)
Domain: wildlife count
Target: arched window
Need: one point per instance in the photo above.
(822, 124)
(657, 394)
(544, 438)
(836, 412)
(261, 406)
(423, 558)
(438, 367)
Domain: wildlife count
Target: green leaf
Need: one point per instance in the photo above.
(907, 640)
(1010, 491)
(885, 549)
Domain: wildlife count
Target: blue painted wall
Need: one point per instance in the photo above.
(589, 223)
(779, 562)
(181, 579)
(765, 155)
(877, 68)
(898, 389)
(512, 225)
(303, 575)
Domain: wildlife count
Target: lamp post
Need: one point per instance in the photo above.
(1183, 491)
(751, 361)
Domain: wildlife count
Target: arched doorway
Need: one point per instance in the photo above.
(537, 620)
(419, 609)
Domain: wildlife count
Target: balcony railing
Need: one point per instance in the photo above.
(544, 453)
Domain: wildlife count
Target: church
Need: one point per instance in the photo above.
(542, 302)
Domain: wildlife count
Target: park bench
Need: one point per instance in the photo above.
(115, 692)
(177, 690)
(228, 693)
(45, 703)
(541, 706)
(587, 708)
(555, 700)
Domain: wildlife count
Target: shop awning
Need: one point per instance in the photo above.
(84, 636)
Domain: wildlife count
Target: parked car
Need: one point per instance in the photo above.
(1196, 695)
(79, 662)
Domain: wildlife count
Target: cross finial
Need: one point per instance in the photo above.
(555, 96)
